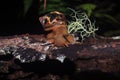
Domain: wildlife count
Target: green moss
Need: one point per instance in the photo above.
(81, 24)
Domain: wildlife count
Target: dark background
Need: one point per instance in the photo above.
(14, 20)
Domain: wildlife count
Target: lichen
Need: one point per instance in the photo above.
(81, 24)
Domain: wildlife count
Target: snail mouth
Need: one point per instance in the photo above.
(47, 27)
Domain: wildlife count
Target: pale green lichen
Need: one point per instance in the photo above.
(81, 24)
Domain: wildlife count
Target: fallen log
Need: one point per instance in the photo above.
(28, 54)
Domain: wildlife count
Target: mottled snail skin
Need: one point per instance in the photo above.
(55, 22)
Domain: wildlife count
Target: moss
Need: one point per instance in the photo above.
(81, 24)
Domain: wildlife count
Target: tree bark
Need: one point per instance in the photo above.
(29, 54)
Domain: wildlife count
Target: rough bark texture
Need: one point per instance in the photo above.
(31, 57)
